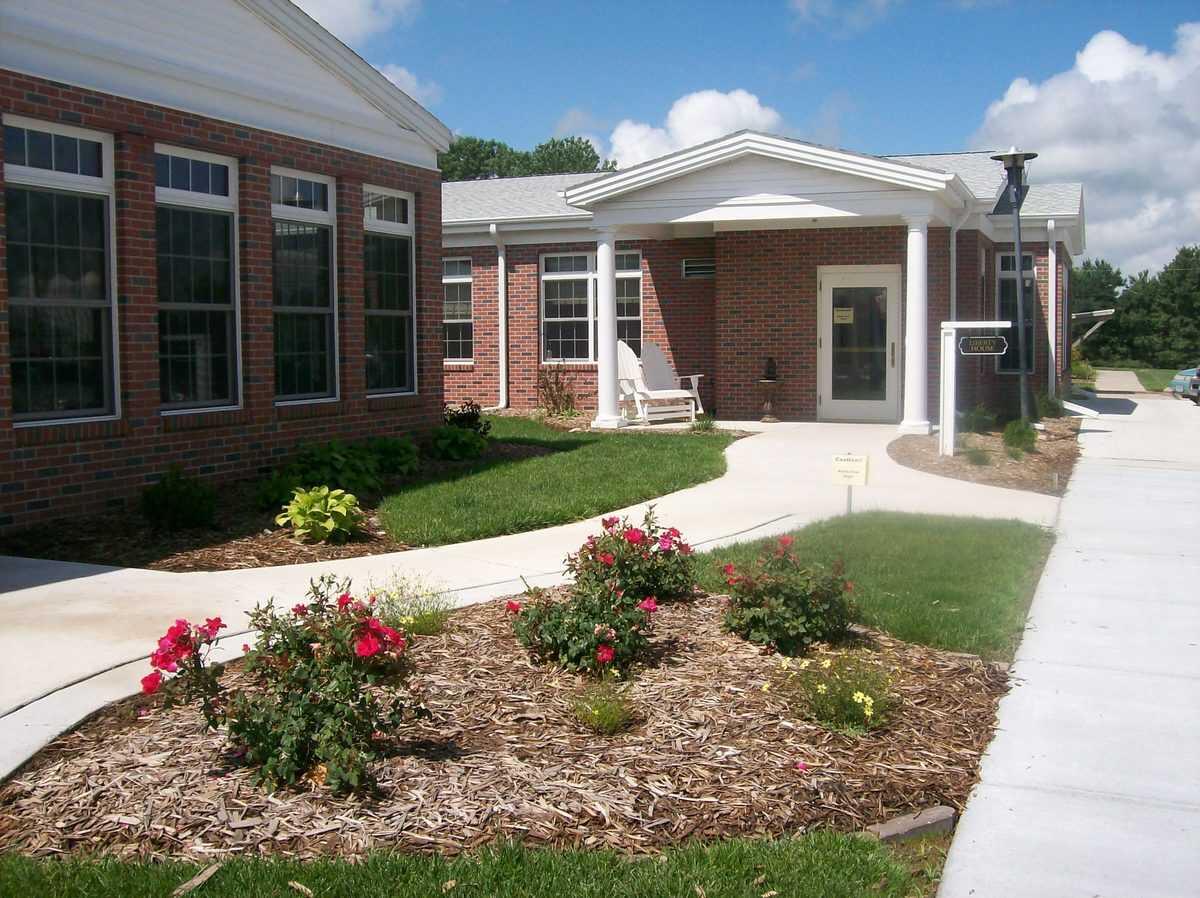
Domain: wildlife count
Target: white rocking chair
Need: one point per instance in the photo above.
(653, 387)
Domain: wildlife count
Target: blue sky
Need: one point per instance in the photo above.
(1109, 92)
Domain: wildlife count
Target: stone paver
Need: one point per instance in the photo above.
(1090, 787)
(99, 618)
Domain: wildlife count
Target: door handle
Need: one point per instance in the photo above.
(893, 353)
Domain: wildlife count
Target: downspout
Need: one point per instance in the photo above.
(1052, 312)
(502, 316)
(954, 260)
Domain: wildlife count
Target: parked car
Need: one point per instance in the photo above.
(1187, 383)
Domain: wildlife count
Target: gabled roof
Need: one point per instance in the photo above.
(1050, 200)
(511, 199)
(304, 31)
(982, 174)
(746, 142)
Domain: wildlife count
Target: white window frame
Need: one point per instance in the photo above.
(326, 217)
(591, 276)
(705, 260)
(35, 178)
(458, 279)
(628, 275)
(397, 229)
(1001, 276)
(206, 202)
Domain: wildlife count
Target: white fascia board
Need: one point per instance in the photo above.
(457, 239)
(44, 51)
(877, 207)
(334, 55)
(532, 221)
(707, 155)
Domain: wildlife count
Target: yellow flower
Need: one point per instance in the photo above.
(766, 687)
(822, 688)
(826, 664)
(859, 697)
(785, 663)
(867, 712)
(804, 664)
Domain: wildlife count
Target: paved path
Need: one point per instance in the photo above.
(61, 623)
(1109, 381)
(1091, 787)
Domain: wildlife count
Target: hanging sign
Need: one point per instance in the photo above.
(843, 316)
(982, 345)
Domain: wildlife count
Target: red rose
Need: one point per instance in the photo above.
(648, 604)
(211, 627)
(300, 610)
(512, 607)
(344, 601)
(367, 645)
(729, 570)
(151, 682)
(605, 653)
(685, 549)
(609, 523)
(606, 558)
(634, 536)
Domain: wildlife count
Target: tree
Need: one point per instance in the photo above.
(1094, 285)
(471, 158)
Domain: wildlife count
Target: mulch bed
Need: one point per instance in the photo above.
(247, 536)
(1045, 470)
(711, 755)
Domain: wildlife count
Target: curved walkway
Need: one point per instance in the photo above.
(74, 637)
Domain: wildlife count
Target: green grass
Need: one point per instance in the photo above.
(961, 584)
(1155, 379)
(585, 474)
(818, 865)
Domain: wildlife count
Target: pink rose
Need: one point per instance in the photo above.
(300, 610)
(664, 543)
(785, 542)
(634, 536)
(605, 653)
(609, 523)
(606, 558)
(151, 682)
(801, 766)
(648, 604)
(512, 607)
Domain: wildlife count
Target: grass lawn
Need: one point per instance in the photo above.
(584, 474)
(1155, 379)
(819, 865)
(960, 584)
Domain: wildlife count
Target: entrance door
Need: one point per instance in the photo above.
(859, 325)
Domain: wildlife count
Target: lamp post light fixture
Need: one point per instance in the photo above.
(1014, 195)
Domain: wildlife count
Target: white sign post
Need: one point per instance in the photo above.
(850, 470)
(948, 385)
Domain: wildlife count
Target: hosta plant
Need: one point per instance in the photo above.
(649, 560)
(322, 515)
(786, 605)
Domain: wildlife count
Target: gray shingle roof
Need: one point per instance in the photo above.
(981, 174)
(509, 198)
(1045, 200)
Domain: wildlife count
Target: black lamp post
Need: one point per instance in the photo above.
(1014, 195)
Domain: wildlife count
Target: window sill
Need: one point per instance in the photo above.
(292, 403)
(458, 363)
(198, 410)
(394, 394)
(60, 422)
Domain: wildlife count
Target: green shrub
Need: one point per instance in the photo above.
(978, 420)
(275, 490)
(353, 468)
(843, 693)
(411, 605)
(594, 630)
(1020, 434)
(640, 561)
(977, 456)
(178, 502)
(455, 444)
(467, 415)
(1049, 406)
(394, 456)
(1082, 372)
(788, 606)
(322, 515)
(704, 424)
(603, 708)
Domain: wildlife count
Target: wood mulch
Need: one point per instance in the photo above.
(710, 755)
(246, 536)
(1045, 470)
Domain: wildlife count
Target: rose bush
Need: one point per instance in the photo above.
(786, 605)
(640, 561)
(322, 692)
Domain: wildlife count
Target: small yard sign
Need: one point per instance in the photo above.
(982, 344)
(850, 470)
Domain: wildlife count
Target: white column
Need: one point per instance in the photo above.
(608, 414)
(916, 327)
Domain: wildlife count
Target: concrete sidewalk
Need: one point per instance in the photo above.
(1092, 784)
(1111, 381)
(100, 619)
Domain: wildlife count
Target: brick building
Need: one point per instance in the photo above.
(838, 266)
(221, 237)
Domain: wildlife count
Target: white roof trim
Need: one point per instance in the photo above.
(306, 33)
(742, 143)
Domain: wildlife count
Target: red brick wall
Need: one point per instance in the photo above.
(50, 471)
(478, 380)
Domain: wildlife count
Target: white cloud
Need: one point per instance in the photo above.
(579, 122)
(1125, 121)
(356, 20)
(851, 15)
(692, 119)
(427, 93)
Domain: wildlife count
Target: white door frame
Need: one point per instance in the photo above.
(828, 277)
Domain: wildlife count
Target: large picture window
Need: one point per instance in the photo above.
(58, 201)
(389, 292)
(305, 295)
(197, 280)
(1006, 309)
(568, 288)
(457, 323)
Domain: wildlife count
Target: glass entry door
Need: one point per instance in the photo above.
(859, 329)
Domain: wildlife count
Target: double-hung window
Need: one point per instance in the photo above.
(568, 300)
(305, 290)
(389, 291)
(1007, 289)
(196, 208)
(456, 310)
(58, 197)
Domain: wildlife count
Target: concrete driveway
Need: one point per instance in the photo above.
(1091, 787)
(94, 621)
